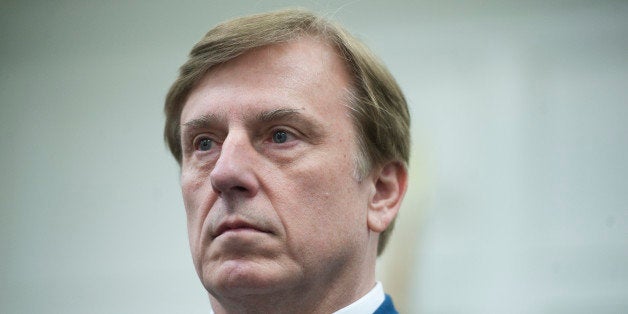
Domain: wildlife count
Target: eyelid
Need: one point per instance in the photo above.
(198, 138)
(292, 133)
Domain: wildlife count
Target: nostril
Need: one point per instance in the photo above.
(239, 188)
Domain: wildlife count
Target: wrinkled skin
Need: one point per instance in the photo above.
(275, 212)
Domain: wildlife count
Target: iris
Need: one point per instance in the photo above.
(205, 144)
(280, 137)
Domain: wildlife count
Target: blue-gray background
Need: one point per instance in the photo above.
(519, 195)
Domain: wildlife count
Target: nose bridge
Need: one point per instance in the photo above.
(234, 169)
(233, 146)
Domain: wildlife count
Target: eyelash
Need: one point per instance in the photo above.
(290, 136)
(197, 142)
(275, 132)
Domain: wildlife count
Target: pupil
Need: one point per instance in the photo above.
(280, 137)
(205, 144)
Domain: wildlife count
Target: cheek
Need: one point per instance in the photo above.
(327, 206)
(192, 187)
(196, 189)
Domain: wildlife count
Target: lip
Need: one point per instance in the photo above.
(236, 225)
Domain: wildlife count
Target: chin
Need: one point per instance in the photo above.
(246, 277)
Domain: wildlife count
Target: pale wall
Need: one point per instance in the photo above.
(518, 201)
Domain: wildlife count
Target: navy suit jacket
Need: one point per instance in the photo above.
(387, 307)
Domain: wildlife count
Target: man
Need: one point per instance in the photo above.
(293, 142)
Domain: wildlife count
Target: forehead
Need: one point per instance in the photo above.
(305, 74)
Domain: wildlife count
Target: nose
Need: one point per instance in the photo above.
(234, 173)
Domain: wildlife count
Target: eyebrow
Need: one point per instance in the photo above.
(266, 116)
(200, 122)
(278, 114)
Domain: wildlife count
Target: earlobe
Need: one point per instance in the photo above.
(390, 181)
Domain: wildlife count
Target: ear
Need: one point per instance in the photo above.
(390, 182)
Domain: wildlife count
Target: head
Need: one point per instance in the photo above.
(293, 142)
(377, 105)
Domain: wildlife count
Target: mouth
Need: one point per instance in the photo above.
(235, 225)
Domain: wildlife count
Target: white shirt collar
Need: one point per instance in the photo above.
(366, 304)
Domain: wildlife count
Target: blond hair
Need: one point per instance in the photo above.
(378, 107)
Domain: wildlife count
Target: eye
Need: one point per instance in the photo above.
(205, 144)
(280, 136)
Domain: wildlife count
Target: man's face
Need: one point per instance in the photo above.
(268, 172)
